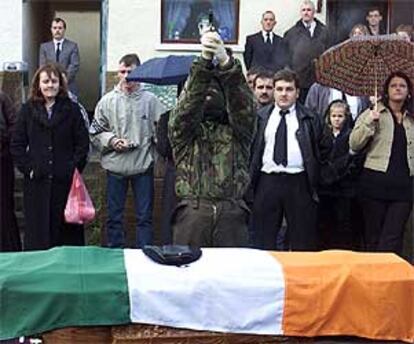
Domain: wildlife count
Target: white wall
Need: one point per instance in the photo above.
(10, 31)
(134, 26)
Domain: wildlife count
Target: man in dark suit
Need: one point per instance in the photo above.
(265, 49)
(61, 50)
(306, 41)
(290, 146)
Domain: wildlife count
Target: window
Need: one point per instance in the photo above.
(182, 19)
(342, 15)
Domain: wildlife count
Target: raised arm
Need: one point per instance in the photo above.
(363, 130)
(185, 119)
(239, 102)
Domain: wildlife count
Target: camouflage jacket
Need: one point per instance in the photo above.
(212, 158)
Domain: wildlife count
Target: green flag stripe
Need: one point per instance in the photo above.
(66, 286)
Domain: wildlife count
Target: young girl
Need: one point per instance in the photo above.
(337, 195)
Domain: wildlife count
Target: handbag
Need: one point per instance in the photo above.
(79, 207)
(177, 255)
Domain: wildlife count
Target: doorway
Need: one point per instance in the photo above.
(83, 19)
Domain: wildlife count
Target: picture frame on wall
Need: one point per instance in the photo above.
(181, 20)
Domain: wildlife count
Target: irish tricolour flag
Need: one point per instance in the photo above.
(227, 290)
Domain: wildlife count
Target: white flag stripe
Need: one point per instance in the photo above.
(227, 290)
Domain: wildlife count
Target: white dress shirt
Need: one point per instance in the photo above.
(294, 155)
(55, 42)
(312, 27)
(264, 34)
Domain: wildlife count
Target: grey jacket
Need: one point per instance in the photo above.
(127, 116)
(69, 58)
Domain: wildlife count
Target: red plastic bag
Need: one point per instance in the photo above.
(79, 207)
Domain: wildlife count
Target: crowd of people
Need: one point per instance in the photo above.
(270, 159)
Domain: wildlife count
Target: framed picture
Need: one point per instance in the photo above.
(182, 20)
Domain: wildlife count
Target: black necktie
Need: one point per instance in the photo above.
(57, 51)
(308, 27)
(280, 151)
(268, 41)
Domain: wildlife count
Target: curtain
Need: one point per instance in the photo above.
(224, 11)
(176, 13)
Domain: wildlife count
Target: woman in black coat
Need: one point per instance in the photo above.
(50, 141)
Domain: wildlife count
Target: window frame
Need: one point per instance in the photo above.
(192, 41)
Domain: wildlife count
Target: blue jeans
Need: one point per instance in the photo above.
(143, 190)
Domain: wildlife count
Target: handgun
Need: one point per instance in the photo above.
(211, 20)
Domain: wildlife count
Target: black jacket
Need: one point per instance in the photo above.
(340, 172)
(303, 49)
(268, 56)
(50, 149)
(163, 144)
(314, 143)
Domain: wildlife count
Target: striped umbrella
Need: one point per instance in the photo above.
(360, 65)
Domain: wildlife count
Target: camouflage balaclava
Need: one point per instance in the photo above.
(214, 108)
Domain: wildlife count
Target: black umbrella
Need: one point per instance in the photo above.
(169, 70)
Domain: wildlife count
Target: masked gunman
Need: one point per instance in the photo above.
(211, 131)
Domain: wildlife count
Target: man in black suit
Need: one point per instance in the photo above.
(290, 145)
(61, 50)
(265, 49)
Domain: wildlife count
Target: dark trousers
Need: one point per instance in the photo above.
(44, 205)
(169, 201)
(384, 224)
(335, 222)
(282, 194)
(143, 190)
(206, 223)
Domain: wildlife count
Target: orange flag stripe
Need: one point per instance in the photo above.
(368, 295)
